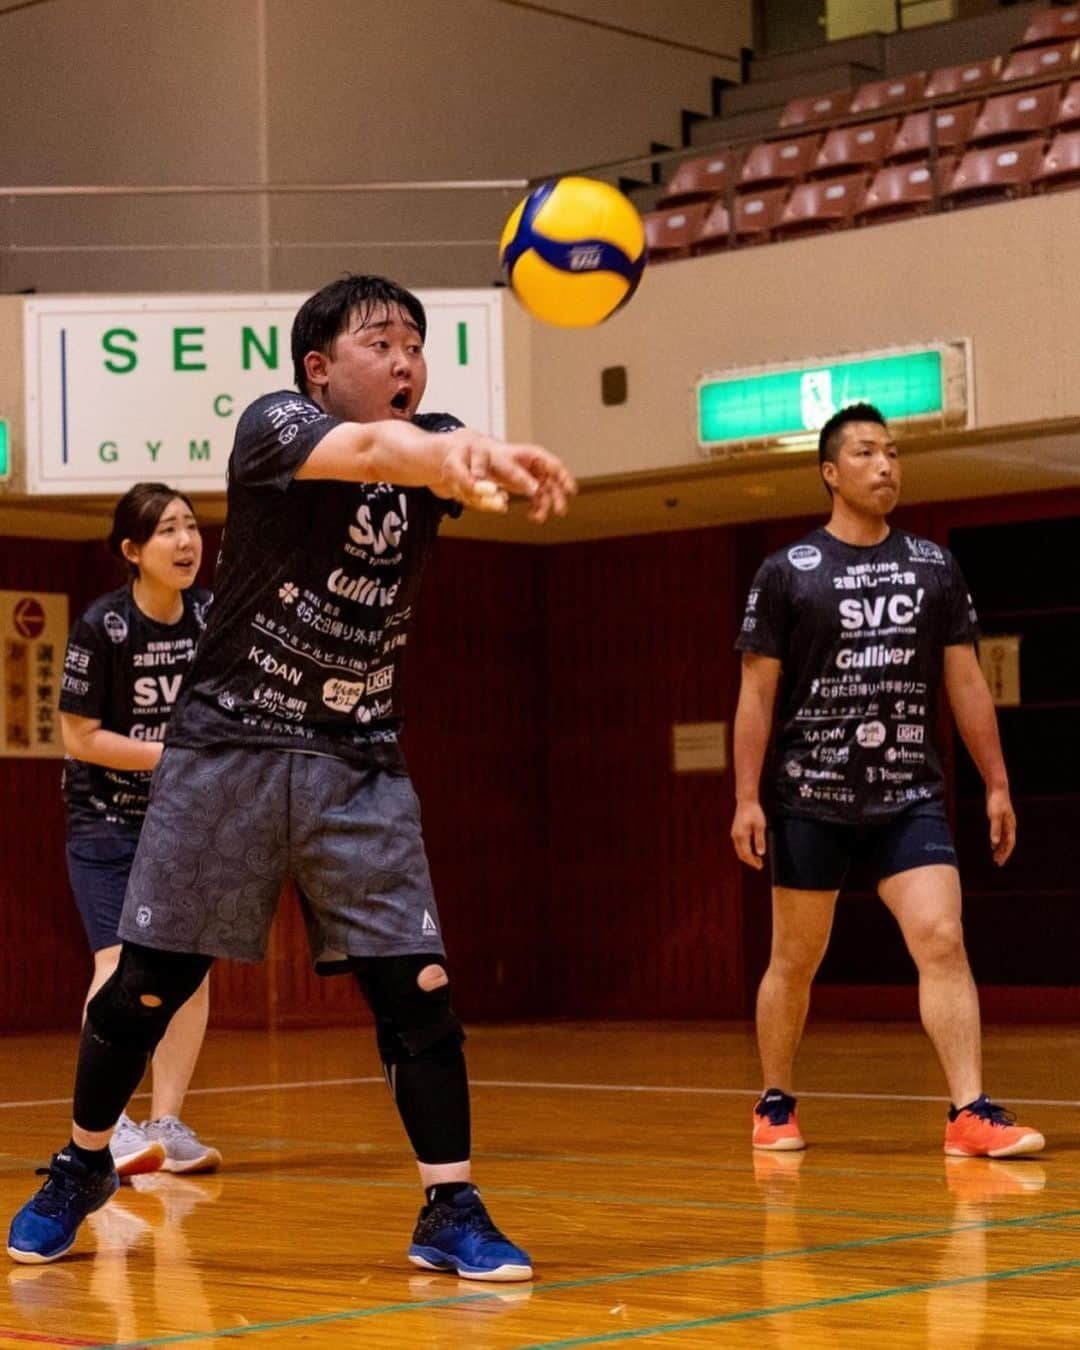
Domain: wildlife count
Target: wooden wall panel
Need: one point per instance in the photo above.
(645, 901)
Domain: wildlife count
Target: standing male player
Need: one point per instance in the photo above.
(282, 756)
(852, 629)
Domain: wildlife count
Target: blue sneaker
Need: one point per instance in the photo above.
(46, 1225)
(458, 1235)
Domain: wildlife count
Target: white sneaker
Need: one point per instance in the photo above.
(184, 1150)
(133, 1150)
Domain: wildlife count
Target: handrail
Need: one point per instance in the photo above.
(983, 91)
(266, 189)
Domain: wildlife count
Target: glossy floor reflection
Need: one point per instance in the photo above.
(619, 1155)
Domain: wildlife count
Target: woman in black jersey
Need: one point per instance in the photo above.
(126, 658)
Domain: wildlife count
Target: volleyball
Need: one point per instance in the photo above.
(573, 251)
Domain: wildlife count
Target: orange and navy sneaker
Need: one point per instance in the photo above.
(775, 1124)
(984, 1130)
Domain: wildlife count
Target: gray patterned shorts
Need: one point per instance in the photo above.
(227, 826)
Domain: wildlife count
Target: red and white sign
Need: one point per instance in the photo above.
(33, 635)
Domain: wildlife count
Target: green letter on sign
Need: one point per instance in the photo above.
(268, 353)
(127, 359)
(183, 348)
(198, 449)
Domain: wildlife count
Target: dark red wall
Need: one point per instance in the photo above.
(577, 875)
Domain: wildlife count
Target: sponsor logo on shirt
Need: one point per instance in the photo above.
(864, 657)
(910, 733)
(897, 609)
(902, 755)
(805, 557)
(364, 590)
(268, 662)
(378, 538)
(342, 695)
(115, 625)
(922, 550)
(870, 734)
(379, 680)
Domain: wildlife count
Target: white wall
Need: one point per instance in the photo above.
(1003, 275)
(200, 91)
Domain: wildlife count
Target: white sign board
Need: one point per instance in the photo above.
(126, 388)
(699, 747)
(33, 635)
(999, 657)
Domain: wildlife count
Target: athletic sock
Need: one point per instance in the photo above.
(93, 1159)
(443, 1192)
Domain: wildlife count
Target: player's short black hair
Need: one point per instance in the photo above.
(324, 315)
(831, 436)
(137, 513)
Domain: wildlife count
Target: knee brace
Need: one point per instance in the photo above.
(133, 1008)
(410, 1020)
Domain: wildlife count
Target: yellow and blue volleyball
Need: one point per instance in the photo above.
(573, 251)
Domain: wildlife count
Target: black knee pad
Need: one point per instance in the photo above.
(409, 1021)
(133, 1008)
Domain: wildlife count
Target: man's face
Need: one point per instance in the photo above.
(375, 369)
(866, 474)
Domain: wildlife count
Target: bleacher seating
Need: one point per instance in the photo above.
(881, 95)
(1068, 114)
(1051, 25)
(775, 162)
(1060, 166)
(964, 78)
(1010, 116)
(952, 126)
(821, 204)
(990, 171)
(815, 109)
(698, 180)
(856, 147)
(903, 189)
(855, 158)
(1048, 62)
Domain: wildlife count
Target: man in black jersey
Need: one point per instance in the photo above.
(847, 637)
(282, 756)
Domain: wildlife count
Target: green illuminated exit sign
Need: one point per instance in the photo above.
(5, 450)
(924, 387)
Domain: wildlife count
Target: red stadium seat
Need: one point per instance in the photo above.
(883, 95)
(824, 204)
(952, 126)
(670, 233)
(1051, 25)
(815, 108)
(903, 189)
(715, 230)
(856, 147)
(758, 213)
(994, 171)
(1051, 62)
(1068, 114)
(1060, 166)
(697, 180)
(779, 161)
(960, 79)
(1009, 116)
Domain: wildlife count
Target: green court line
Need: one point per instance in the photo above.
(598, 1197)
(778, 1310)
(595, 1281)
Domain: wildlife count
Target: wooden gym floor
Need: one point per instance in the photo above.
(618, 1154)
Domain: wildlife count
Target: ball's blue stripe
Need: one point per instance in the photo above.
(577, 258)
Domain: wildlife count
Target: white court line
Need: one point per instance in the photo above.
(566, 1087)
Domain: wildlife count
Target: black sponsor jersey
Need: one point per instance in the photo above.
(861, 633)
(313, 598)
(125, 670)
